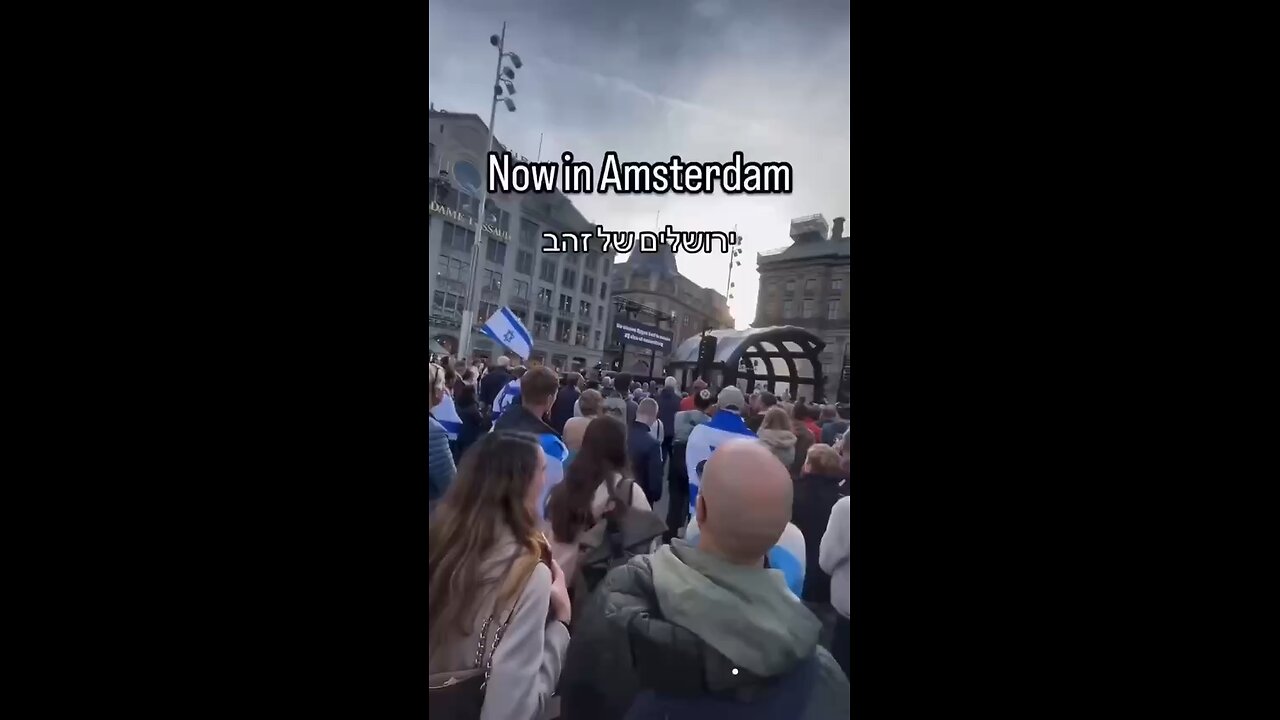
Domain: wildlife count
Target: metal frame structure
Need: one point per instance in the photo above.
(738, 348)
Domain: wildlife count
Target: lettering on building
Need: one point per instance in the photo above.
(454, 215)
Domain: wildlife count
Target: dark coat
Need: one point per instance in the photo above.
(668, 406)
(562, 410)
(810, 511)
(624, 651)
(474, 423)
(646, 460)
(831, 430)
(804, 441)
(492, 384)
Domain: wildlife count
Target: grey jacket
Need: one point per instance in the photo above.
(686, 421)
(681, 622)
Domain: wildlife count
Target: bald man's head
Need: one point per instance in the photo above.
(744, 502)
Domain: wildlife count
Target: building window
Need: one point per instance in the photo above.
(462, 201)
(791, 286)
(528, 233)
(524, 262)
(597, 339)
(522, 314)
(584, 309)
(544, 296)
(453, 269)
(588, 284)
(541, 326)
(581, 334)
(570, 278)
(547, 271)
(495, 251)
(808, 308)
(486, 309)
(447, 301)
(520, 289)
(837, 284)
(496, 216)
(685, 321)
(833, 310)
(810, 286)
(456, 237)
(599, 313)
(492, 280)
(590, 262)
(566, 303)
(787, 308)
(562, 330)
(604, 290)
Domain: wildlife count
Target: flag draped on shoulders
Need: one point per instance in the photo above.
(508, 397)
(447, 415)
(704, 439)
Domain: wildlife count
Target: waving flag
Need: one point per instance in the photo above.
(724, 427)
(506, 328)
(447, 415)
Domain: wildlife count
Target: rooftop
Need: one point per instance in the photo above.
(808, 250)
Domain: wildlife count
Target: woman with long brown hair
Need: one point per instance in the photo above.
(577, 503)
(776, 432)
(496, 598)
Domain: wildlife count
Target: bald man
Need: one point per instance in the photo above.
(751, 503)
(698, 630)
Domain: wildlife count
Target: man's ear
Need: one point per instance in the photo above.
(700, 510)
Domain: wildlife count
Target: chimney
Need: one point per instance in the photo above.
(837, 228)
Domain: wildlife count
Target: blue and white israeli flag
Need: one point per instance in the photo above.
(447, 415)
(506, 328)
(725, 427)
(508, 396)
(787, 556)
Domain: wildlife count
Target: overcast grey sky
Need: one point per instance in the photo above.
(694, 78)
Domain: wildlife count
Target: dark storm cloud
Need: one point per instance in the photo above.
(700, 79)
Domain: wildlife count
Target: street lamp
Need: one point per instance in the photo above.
(733, 261)
(501, 76)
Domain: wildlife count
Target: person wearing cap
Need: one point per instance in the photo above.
(725, 425)
(686, 403)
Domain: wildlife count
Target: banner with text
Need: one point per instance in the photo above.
(647, 336)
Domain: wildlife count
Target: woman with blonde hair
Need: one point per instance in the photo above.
(498, 609)
(776, 432)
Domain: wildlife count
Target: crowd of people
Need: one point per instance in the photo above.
(556, 590)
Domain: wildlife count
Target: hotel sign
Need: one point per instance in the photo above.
(470, 222)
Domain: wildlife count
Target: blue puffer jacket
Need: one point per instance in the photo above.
(440, 467)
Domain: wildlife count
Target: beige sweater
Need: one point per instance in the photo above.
(527, 665)
(566, 551)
